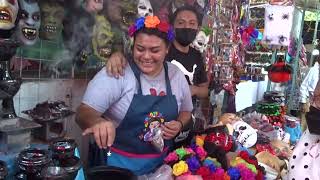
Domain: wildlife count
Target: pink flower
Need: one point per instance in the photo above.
(189, 151)
(132, 30)
(172, 157)
(201, 153)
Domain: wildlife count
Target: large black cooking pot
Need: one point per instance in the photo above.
(109, 172)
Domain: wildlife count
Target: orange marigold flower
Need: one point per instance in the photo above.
(151, 21)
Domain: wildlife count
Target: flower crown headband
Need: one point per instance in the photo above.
(152, 22)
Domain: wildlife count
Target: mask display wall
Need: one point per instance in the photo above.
(144, 8)
(102, 39)
(52, 14)
(29, 22)
(121, 13)
(201, 41)
(8, 15)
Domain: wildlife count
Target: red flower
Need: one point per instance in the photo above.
(203, 171)
(163, 27)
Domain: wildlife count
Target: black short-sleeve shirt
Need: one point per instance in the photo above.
(189, 61)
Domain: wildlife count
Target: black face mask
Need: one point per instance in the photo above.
(185, 36)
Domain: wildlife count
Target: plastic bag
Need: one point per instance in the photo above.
(163, 173)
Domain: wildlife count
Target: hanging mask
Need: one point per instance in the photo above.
(122, 13)
(185, 36)
(245, 134)
(176, 4)
(29, 22)
(94, 5)
(52, 14)
(145, 8)
(102, 38)
(9, 11)
(201, 41)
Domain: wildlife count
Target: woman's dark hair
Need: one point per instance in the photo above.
(153, 31)
(173, 16)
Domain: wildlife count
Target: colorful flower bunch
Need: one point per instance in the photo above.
(193, 160)
(152, 22)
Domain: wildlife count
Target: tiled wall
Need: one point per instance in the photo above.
(69, 91)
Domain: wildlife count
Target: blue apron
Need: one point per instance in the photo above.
(129, 150)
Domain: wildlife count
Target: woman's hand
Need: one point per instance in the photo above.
(171, 129)
(115, 64)
(104, 133)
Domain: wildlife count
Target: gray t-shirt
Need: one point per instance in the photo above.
(113, 96)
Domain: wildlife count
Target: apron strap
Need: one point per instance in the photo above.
(168, 85)
(137, 72)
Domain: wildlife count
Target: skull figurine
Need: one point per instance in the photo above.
(245, 134)
(52, 14)
(9, 13)
(145, 8)
(201, 41)
(29, 22)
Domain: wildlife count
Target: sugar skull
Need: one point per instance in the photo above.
(29, 22)
(145, 8)
(52, 14)
(102, 37)
(8, 16)
(221, 139)
(201, 41)
(121, 13)
(245, 134)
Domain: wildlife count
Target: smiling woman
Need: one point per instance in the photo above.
(121, 113)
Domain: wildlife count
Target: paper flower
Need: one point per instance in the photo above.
(170, 35)
(193, 163)
(203, 172)
(180, 168)
(199, 140)
(218, 174)
(132, 30)
(151, 21)
(140, 23)
(234, 173)
(163, 27)
(172, 157)
(201, 153)
(190, 151)
(212, 168)
(181, 152)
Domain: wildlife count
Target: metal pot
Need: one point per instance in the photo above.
(33, 160)
(54, 173)
(101, 172)
(71, 165)
(3, 170)
(62, 149)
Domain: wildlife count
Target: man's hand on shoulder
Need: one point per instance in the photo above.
(115, 64)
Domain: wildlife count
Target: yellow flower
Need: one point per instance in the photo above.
(151, 21)
(180, 168)
(199, 140)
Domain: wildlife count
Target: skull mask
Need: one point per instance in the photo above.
(245, 134)
(29, 22)
(144, 8)
(52, 14)
(201, 42)
(102, 38)
(8, 15)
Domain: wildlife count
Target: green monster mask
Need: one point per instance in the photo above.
(52, 14)
(122, 13)
(102, 38)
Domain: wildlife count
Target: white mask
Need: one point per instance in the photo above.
(201, 3)
(29, 23)
(245, 134)
(8, 15)
(145, 8)
(201, 41)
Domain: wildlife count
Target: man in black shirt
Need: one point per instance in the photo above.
(186, 22)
